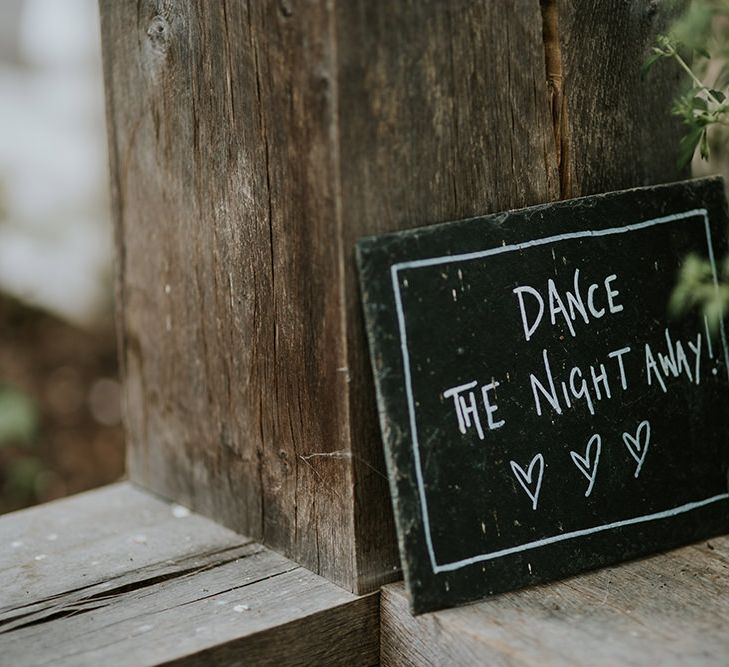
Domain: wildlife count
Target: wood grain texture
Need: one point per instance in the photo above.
(669, 609)
(118, 577)
(221, 132)
(617, 128)
(251, 144)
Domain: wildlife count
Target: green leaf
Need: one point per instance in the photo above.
(687, 146)
(699, 103)
(648, 64)
(702, 51)
(704, 146)
(695, 270)
(713, 311)
(681, 300)
(683, 107)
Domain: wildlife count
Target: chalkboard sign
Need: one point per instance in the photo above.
(542, 413)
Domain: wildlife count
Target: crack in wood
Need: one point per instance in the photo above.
(556, 93)
(74, 602)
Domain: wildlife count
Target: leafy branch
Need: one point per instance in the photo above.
(702, 29)
(698, 44)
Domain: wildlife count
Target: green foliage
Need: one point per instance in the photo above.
(701, 34)
(696, 289)
(19, 423)
(18, 417)
(700, 37)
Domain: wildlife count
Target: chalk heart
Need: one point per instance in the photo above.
(587, 464)
(526, 478)
(637, 444)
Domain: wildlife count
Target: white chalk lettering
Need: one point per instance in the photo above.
(574, 301)
(581, 391)
(556, 306)
(668, 361)
(465, 412)
(601, 378)
(618, 354)
(612, 306)
(652, 367)
(471, 410)
(682, 361)
(597, 314)
(710, 348)
(566, 393)
(696, 349)
(550, 395)
(674, 362)
(568, 307)
(589, 384)
(489, 407)
(529, 329)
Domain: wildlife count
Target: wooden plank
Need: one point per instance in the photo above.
(616, 129)
(250, 145)
(119, 577)
(669, 609)
(220, 121)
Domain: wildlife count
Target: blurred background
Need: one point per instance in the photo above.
(60, 429)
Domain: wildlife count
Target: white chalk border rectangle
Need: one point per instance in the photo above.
(452, 259)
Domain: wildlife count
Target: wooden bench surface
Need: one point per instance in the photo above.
(669, 609)
(119, 577)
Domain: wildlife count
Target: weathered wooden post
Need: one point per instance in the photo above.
(253, 143)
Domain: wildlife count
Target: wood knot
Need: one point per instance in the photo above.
(284, 6)
(158, 34)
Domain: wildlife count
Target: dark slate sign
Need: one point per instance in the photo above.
(542, 414)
